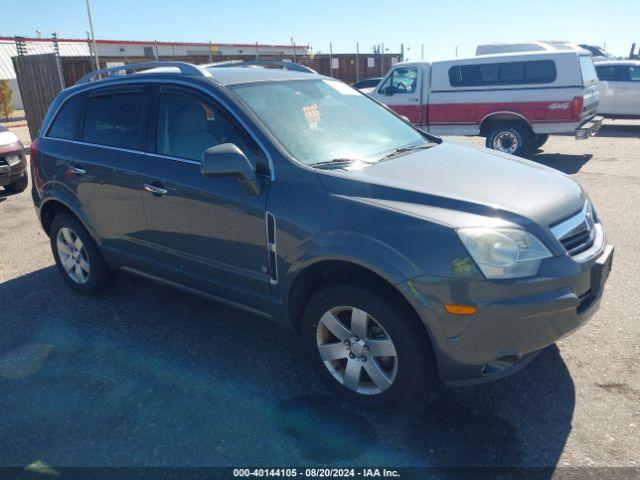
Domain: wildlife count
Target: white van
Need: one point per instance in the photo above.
(515, 100)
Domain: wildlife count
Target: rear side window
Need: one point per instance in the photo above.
(608, 72)
(587, 70)
(507, 73)
(66, 121)
(115, 120)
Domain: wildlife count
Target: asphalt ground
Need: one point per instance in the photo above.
(146, 375)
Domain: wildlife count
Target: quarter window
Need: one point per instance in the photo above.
(65, 123)
(506, 73)
(634, 74)
(115, 120)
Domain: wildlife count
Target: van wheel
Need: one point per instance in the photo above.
(508, 139)
(77, 257)
(19, 185)
(537, 141)
(365, 349)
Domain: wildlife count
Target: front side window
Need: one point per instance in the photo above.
(115, 120)
(188, 125)
(66, 121)
(507, 73)
(401, 80)
(322, 120)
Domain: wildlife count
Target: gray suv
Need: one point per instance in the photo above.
(398, 257)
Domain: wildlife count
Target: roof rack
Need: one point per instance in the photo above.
(296, 67)
(133, 68)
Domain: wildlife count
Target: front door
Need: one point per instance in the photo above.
(400, 90)
(206, 232)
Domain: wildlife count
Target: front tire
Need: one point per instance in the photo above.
(77, 257)
(508, 138)
(365, 348)
(18, 186)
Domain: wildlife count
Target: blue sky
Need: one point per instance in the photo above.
(439, 25)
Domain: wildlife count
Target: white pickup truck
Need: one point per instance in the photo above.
(515, 100)
(619, 88)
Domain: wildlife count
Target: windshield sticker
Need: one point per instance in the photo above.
(343, 88)
(312, 114)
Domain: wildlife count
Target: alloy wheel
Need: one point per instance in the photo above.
(73, 255)
(357, 350)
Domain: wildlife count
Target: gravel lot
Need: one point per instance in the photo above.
(146, 375)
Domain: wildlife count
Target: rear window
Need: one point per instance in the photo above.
(115, 120)
(587, 69)
(65, 123)
(506, 73)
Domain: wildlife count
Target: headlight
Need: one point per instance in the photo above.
(504, 253)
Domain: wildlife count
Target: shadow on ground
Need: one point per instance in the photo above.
(565, 163)
(611, 129)
(146, 375)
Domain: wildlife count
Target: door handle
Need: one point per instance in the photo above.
(156, 190)
(76, 170)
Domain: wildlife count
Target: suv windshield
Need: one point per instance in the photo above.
(322, 120)
(588, 71)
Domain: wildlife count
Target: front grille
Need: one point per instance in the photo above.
(576, 233)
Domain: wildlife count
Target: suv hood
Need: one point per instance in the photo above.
(460, 177)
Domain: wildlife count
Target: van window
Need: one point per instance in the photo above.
(65, 123)
(115, 120)
(587, 69)
(633, 73)
(507, 73)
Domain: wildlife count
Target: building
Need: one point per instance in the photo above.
(119, 51)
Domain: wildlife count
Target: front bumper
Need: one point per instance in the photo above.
(520, 318)
(12, 173)
(589, 128)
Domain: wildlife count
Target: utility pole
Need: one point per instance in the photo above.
(257, 52)
(293, 44)
(330, 59)
(93, 36)
(357, 62)
(382, 60)
(422, 51)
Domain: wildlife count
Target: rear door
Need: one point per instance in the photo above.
(205, 232)
(97, 140)
(628, 91)
(400, 90)
(609, 78)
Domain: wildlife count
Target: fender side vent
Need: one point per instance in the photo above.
(271, 249)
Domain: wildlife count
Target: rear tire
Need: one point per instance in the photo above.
(18, 186)
(382, 379)
(77, 257)
(508, 138)
(538, 141)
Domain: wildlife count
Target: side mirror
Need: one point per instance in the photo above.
(227, 160)
(388, 90)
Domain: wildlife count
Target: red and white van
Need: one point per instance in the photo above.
(515, 100)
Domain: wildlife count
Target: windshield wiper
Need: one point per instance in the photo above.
(411, 148)
(337, 162)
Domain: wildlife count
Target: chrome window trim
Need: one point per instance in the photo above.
(89, 144)
(45, 127)
(176, 159)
